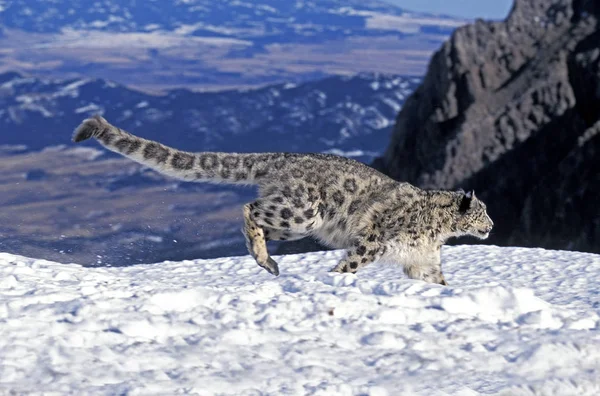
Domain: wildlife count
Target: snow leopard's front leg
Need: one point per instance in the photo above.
(426, 267)
(364, 252)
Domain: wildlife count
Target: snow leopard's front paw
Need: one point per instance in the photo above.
(341, 268)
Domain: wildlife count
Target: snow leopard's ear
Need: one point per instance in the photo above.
(465, 202)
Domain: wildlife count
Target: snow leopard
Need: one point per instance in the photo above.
(343, 203)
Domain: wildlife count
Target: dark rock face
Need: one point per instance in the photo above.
(512, 110)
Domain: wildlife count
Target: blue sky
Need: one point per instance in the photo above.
(487, 9)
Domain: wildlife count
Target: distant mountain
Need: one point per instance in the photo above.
(351, 116)
(207, 43)
(262, 22)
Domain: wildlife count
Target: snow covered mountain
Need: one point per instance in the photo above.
(344, 115)
(226, 43)
(513, 322)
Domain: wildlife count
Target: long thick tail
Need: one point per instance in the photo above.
(205, 166)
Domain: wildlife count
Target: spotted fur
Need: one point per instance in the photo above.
(341, 202)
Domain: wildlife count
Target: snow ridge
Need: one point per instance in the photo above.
(513, 322)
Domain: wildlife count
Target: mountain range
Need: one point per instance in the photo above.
(347, 115)
(207, 44)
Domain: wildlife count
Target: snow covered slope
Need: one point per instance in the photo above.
(513, 322)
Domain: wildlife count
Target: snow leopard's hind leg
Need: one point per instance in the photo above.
(256, 243)
(276, 217)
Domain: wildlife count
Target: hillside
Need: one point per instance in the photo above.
(76, 204)
(518, 322)
(510, 109)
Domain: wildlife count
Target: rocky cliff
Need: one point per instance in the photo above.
(512, 110)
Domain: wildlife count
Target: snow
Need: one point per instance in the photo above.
(513, 321)
(75, 85)
(393, 104)
(91, 108)
(88, 153)
(17, 81)
(27, 103)
(12, 148)
(351, 153)
(405, 23)
(70, 38)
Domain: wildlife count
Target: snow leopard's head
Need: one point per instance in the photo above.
(473, 218)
